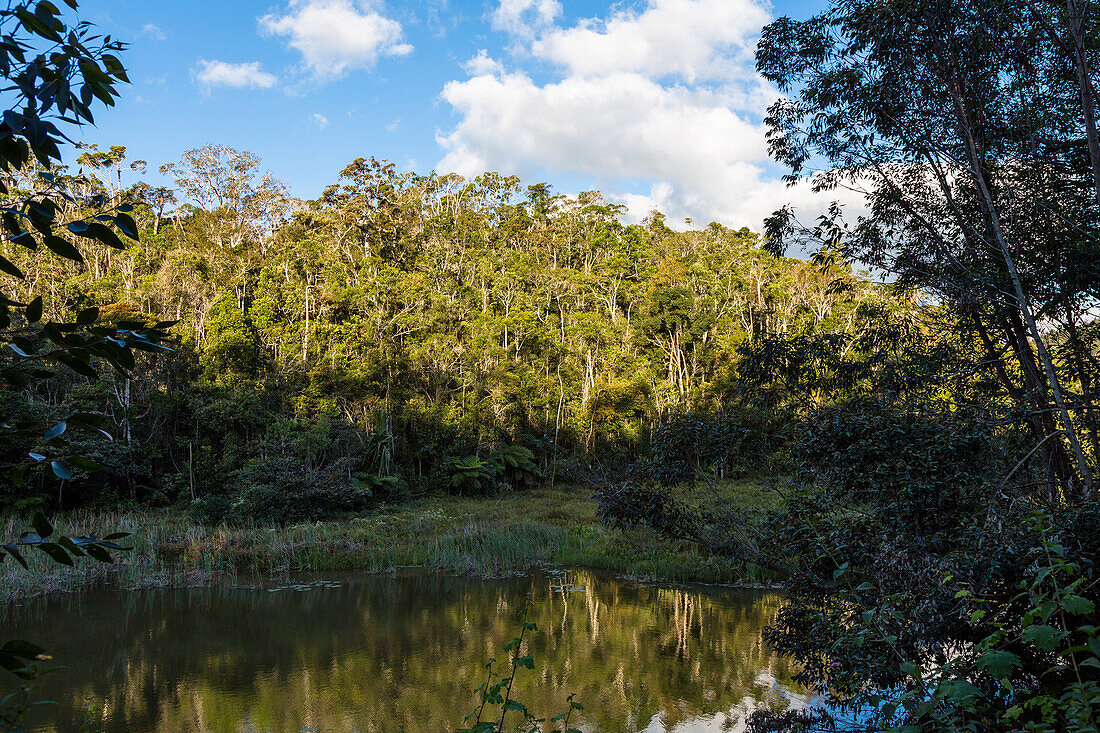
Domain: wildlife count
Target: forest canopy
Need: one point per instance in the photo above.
(400, 321)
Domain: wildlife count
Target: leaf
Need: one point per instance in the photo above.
(85, 464)
(1078, 606)
(7, 267)
(514, 705)
(71, 546)
(21, 648)
(98, 553)
(56, 553)
(41, 525)
(126, 225)
(998, 663)
(526, 661)
(1042, 636)
(61, 469)
(33, 312)
(14, 552)
(87, 316)
(959, 690)
(55, 431)
(103, 234)
(63, 248)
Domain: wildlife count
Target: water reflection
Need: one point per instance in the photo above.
(380, 653)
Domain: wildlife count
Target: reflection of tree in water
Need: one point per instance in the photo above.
(384, 652)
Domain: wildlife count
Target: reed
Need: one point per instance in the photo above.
(468, 536)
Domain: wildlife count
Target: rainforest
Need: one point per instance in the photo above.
(422, 445)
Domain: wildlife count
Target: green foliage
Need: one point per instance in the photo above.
(517, 466)
(471, 476)
(920, 471)
(496, 692)
(695, 445)
(228, 347)
(424, 317)
(1036, 667)
(280, 490)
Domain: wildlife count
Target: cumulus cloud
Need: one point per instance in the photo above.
(623, 123)
(335, 36)
(700, 158)
(482, 64)
(239, 76)
(661, 108)
(691, 39)
(523, 18)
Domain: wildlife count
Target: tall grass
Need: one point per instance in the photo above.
(486, 537)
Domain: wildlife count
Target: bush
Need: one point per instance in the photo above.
(279, 490)
(718, 444)
(209, 509)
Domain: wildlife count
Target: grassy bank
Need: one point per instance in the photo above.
(472, 536)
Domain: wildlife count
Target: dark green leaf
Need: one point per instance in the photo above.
(33, 313)
(41, 524)
(63, 247)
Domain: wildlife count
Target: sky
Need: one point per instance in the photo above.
(653, 102)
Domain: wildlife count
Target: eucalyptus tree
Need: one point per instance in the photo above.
(242, 204)
(938, 558)
(969, 126)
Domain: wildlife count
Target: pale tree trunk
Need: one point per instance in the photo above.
(1021, 298)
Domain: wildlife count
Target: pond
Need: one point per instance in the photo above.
(382, 653)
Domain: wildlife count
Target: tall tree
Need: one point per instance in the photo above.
(965, 125)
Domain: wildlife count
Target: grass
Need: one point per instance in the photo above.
(470, 536)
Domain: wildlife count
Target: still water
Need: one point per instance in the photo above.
(382, 653)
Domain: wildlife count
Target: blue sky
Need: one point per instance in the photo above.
(653, 102)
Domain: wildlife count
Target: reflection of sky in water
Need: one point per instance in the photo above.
(735, 720)
(378, 653)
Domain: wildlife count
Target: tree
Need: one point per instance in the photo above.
(58, 70)
(938, 548)
(222, 182)
(965, 125)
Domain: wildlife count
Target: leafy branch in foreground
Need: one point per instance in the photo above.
(22, 658)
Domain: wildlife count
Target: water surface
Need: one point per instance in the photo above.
(382, 653)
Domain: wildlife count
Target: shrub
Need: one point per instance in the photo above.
(279, 490)
(210, 509)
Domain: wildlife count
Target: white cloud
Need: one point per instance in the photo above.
(523, 18)
(222, 73)
(320, 120)
(154, 32)
(691, 39)
(701, 159)
(335, 36)
(482, 64)
(393, 125)
(659, 107)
